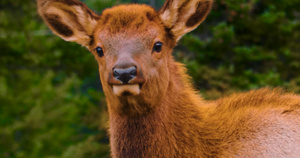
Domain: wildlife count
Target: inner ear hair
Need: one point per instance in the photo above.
(183, 16)
(72, 20)
(202, 10)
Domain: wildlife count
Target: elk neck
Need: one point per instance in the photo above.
(160, 132)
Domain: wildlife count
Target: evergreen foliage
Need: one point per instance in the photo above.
(51, 102)
(245, 45)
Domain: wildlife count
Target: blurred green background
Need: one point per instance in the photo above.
(51, 102)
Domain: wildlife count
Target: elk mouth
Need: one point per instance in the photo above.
(126, 89)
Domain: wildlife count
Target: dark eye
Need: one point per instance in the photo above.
(99, 50)
(157, 47)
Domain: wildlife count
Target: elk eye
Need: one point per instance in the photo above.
(157, 47)
(99, 51)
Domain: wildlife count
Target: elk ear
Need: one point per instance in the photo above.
(70, 19)
(183, 16)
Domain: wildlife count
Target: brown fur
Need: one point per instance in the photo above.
(166, 118)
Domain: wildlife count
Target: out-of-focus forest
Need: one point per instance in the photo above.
(51, 102)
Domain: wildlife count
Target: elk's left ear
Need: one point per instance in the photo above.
(183, 16)
(70, 19)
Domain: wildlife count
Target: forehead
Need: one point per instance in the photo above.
(130, 23)
(128, 17)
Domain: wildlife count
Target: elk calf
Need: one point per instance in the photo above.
(153, 109)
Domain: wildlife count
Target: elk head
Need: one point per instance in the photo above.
(131, 43)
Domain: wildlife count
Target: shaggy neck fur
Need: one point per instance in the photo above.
(172, 130)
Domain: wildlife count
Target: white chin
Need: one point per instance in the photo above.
(130, 89)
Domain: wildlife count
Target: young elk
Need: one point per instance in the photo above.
(153, 109)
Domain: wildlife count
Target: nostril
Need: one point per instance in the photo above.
(115, 72)
(133, 72)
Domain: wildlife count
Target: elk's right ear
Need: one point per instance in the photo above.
(70, 19)
(183, 16)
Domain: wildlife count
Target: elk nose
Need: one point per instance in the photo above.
(125, 75)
